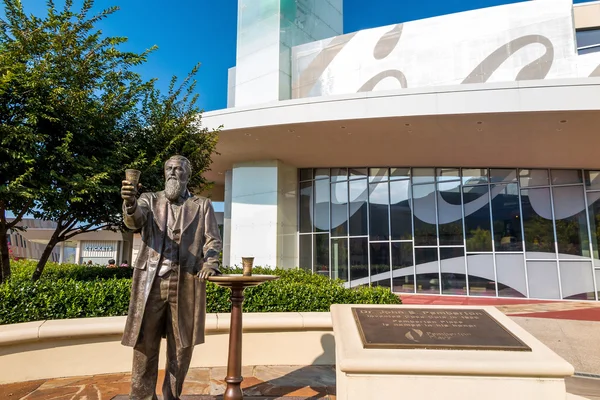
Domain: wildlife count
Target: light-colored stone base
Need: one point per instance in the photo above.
(445, 374)
(62, 348)
(431, 387)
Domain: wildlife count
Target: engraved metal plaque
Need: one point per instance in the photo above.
(422, 328)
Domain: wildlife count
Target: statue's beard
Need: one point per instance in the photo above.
(174, 188)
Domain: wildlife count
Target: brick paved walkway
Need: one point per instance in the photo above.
(312, 382)
(261, 382)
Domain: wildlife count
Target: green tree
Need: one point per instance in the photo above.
(23, 100)
(84, 116)
(170, 124)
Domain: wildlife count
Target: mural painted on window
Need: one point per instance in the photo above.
(494, 232)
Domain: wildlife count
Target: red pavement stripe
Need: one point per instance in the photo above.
(416, 299)
(585, 314)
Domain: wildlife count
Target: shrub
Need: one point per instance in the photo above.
(73, 291)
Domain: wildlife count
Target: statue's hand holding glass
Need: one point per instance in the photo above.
(129, 186)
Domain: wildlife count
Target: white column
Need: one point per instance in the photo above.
(287, 216)
(121, 251)
(263, 214)
(78, 253)
(227, 219)
(61, 255)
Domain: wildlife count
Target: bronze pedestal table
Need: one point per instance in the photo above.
(237, 284)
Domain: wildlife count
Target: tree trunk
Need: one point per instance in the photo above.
(5, 257)
(4, 228)
(45, 256)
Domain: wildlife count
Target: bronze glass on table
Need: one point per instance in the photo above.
(247, 266)
(180, 250)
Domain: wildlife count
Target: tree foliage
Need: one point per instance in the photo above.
(76, 291)
(74, 114)
(167, 125)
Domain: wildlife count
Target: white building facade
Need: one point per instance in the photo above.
(453, 155)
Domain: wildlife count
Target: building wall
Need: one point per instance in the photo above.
(20, 247)
(32, 242)
(522, 41)
(99, 252)
(266, 32)
(587, 15)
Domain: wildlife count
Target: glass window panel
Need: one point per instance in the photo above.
(321, 206)
(306, 224)
(444, 174)
(400, 210)
(424, 215)
(452, 266)
(306, 174)
(589, 50)
(322, 173)
(321, 254)
(379, 228)
(399, 173)
(587, 37)
(423, 175)
(357, 173)
(537, 223)
(533, 177)
(380, 264)
(474, 176)
(378, 174)
(503, 175)
(339, 259)
(403, 279)
(577, 280)
(339, 174)
(478, 231)
(566, 176)
(427, 270)
(592, 179)
(507, 218)
(305, 252)
(69, 251)
(594, 215)
(480, 268)
(450, 224)
(358, 208)
(542, 277)
(339, 209)
(571, 222)
(510, 272)
(359, 261)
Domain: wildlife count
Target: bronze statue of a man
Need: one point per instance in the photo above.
(180, 249)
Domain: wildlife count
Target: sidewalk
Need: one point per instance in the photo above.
(571, 310)
(260, 382)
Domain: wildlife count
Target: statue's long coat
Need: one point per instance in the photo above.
(199, 247)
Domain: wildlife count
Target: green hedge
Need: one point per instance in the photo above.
(73, 291)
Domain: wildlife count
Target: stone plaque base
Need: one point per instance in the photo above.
(393, 370)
